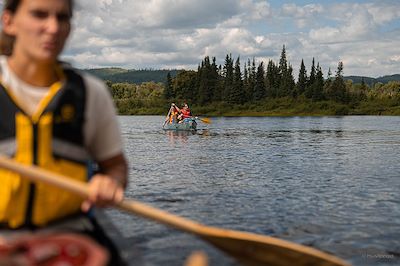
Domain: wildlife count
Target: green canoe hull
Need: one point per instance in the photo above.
(186, 125)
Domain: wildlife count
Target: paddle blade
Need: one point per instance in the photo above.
(252, 249)
(205, 120)
(247, 248)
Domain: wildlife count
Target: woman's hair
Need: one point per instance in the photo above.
(7, 41)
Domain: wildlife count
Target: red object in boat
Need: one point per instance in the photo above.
(52, 250)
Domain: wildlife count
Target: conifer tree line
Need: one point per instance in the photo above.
(258, 88)
(256, 81)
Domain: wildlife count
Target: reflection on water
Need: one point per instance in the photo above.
(183, 135)
(179, 135)
(327, 182)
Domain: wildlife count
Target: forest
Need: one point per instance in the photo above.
(258, 89)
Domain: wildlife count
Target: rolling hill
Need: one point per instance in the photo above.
(120, 75)
(117, 75)
(371, 81)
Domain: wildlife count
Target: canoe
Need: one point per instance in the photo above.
(188, 124)
(53, 249)
(64, 244)
(126, 246)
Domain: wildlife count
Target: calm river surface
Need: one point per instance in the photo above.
(327, 182)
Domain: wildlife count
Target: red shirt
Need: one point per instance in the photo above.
(186, 113)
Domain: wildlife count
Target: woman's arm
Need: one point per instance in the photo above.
(176, 108)
(104, 142)
(107, 187)
(117, 168)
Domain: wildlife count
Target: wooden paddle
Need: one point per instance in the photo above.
(247, 248)
(167, 118)
(204, 120)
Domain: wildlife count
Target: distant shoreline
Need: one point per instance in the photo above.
(281, 107)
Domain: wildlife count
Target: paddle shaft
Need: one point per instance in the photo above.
(204, 120)
(82, 189)
(166, 119)
(248, 248)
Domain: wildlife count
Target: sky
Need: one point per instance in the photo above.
(178, 34)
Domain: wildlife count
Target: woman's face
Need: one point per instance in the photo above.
(40, 27)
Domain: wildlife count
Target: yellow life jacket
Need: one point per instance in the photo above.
(53, 139)
(172, 117)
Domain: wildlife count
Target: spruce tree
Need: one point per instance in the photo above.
(205, 92)
(363, 90)
(318, 85)
(214, 80)
(198, 80)
(302, 81)
(228, 77)
(168, 91)
(237, 94)
(246, 82)
(252, 70)
(310, 84)
(290, 83)
(338, 87)
(220, 82)
(185, 86)
(281, 89)
(259, 88)
(313, 72)
(328, 85)
(286, 81)
(272, 79)
(283, 61)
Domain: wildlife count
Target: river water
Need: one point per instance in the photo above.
(331, 183)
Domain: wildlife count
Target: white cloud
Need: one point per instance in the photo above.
(384, 12)
(301, 11)
(302, 15)
(355, 23)
(175, 33)
(164, 26)
(326, 34)
(395, 58)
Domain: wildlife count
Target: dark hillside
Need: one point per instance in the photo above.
(119, 75)
(386, 79)
(370, 81)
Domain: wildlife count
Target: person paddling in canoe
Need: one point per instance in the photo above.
(173, 114)
(184, 112)
(57, 118)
